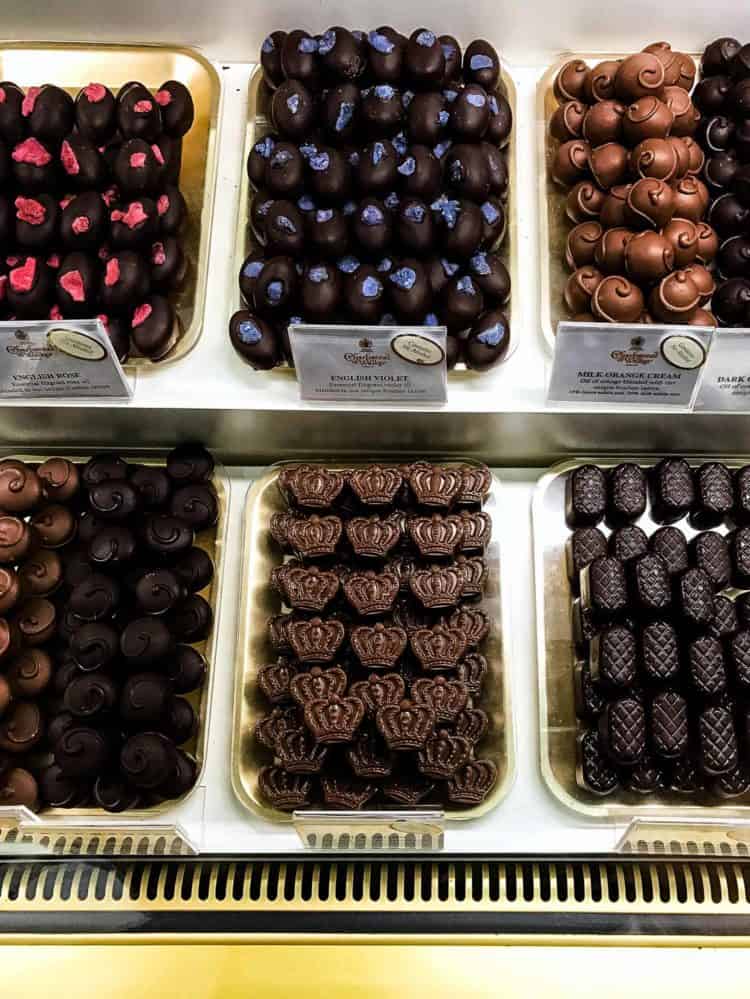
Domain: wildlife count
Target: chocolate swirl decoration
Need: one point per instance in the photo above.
(168, 535)
(15, 538)
(10, 589)
(91, 696)
(182, 778)
(146, 641)
(159, 591)
(113, 501)
(186, 669)
(195, 569)
(22, 727)
(41, 573)
(102, 468)
(179, 722)
(148, 759)
(96, 598)
(584, 202)
(112, 547)
(59, 725)
(152, 485)
(94, 645)
(82, 752)
(36, 621)
(30, 673)
(191, 620)
(114, 794)
(59, 478)
(54, 525)
(144, 698)
(20, 488)
(59, 791)
(196, 504)
(189, 463)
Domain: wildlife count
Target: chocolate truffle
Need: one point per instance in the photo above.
(460, 224)
(95, 112)
(567, 121)
(488, 341)
(34, 167)
(284, 229)
(640, 75)
(467, 171)
(452, 52)
(584, 202)
(168, 264)
(470, 113)
(276, 286)
(364, 294)
(580, 288)
(491, 276)
(136, 168)
(501, 120)
(177, 108)
(292, 109)
(427, 118)
(12, 124)
(330, 175)
(171, 211)
(649, 257)
(258, 157)
(138, 114)
(83, 223)
(284, 170)
(381, 110)
(76, 285)
(602, 123)
(249, 273)
(420, 173)
(270, 58)
(481, 64)
(385, 54)
(708, 243)
(650, 203)
(125, 279)
(734, 257)
(82, 163)
(190, 462)
(655, 158)
(254, 340)
(617, 300)
(299, 57)
(341, 54)
(424, 61)
(731, 303)
(320, 290)
(647, 118)
(572, 81)
(49, 111)
(728, 216)
(341, 111)
(608, 164)
(717, 57)
(154, 328)
(376, 169)
(133, 223)
(571, 162)
(29, 288)
(675, 298)
(372, 226)
(414, 226)
(409, 290)
(36, 221)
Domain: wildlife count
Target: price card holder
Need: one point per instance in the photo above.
(717, 837)
(59, 359)
(726, 382)
(389, 832)
(371, 364)
(628, 365)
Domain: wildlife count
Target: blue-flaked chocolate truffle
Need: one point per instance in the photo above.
(452, 54)
(427, 118)
(95, 113)
(254, 340)
(29, 289)
(285, 170)
(330, 175)
(409, 290)
(493, 222)
(372, 225)
(467, 172)
(82, 164)
(481, 64)
(284, 229)
(385, 54)
(376, 169)
(133, 223)
(491, 275)
(341, 54)
(37, 221)
(462, 303)
(488, 341)
(299, 57)
(439, 272)
(136, 168)
(381, 110)
(76, 285)
(125, 280)
(257, 158)
(420, 173)
(49, 112)
(320, 290)
(497, 169)
(177, 108)
(167, 265)
(259, 208)
(415, 230)
(12, 123)
(470, 113)
(83, 223)
(501, 119)
(249, 273)
(340, 112)
(365, 294)
(34, 166)
(270, 58)
(327, 233)
(138, 114)
(460, 226)
(275, 287)
(424, 60)
(292, 109)
(154, 328)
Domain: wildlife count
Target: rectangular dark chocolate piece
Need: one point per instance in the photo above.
(594, 772)
(604, 588)
(739, 553)
(627, 494)
(671, 545)
(582, 547)
(738, 654)
(706, 669)
(709, 551)
(714, 495)
(589, 699)
(741, 508)
(672, 490)
(622, 731)
(628, 542)
(669, 728)
(725, 621)
(614, 656)
(695, 598)
(660, 652)
(717, 738)
(650, 584)
(585, 496)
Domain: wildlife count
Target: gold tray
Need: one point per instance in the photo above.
(556, 657)
(553, 223)
(213, 542)
(259, 124)
(73, 65)
(259, 601)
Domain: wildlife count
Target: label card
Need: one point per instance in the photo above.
(60, 359)
(370, 364)
(628, 364)
(726, 383)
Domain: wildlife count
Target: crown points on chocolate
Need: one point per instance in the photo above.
(378, 647)
(275, 724)
(376, 485)
(379, 691)
(278, 527)
(476, 482)
(309, 588)
(373, 537)
(284, 790)
(407, 790)
(334, 719)
(317, 684)
(437, 586)
(437, 536)
(368, 758)
(473, 575)
(477, 530)
(447, 698)
(472, 723)
(313, 486)
(472, 783)
(435, 485)
(439, 647)
(473, 622)
(371, 592)
(472, 671)
(298, 752)
(341, 792)
(274, 680)
(314, 536)
(316, 640)
(405, 725)
(443, 755)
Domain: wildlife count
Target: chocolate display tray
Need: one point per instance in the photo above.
(553, 223)
(556, 657)
(259, 124)
(259, 601)
(72, 66)
(212, 541)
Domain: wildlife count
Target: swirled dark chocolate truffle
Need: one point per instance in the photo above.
(30, 673)
(94, 645)
(179, 722)
(177, 108)
(83, 222)
(716, 133)
(29, 288)
(102, 468)
(138, 114)
(147, 759)
(76, 285)
(168, 536)
(191, 620)
(254, 340)
(125, 279)
(133, 223)
(82, 752)
(144, 698)
(381, 111)
(488, 341)
(49, 112)
(59, 791)
(321, 290)
(292, 109)
(36, 221)
(95, 113)
(341, 54)
(61, 722)
(270, 58)
(299, 57)
(154, 327)
(88, 527)
(409, 289)
(91, 696)
(728, 216)
(34, 167)
(12, 125)
(95, 598)
(190, 462)
(145, 641)
(113, 794)
(186, 669)
(731, 302)
(385, 54)
(111, 547)
(196, 504)
(113, 501)
(364, 294)
(734, 257)
(158, 591)
(372, 226)
(195, 569)
(152, 485)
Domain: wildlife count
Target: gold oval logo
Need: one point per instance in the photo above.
(76, 344)
(417, 349)
(684, 352)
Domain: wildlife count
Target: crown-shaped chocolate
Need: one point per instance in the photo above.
(472, 783)
(373, 537)
(407, 790)
(278, 631)
(472, 670)
(314, 486)
(308, 588)
(471, 724)
(286, 472)
(371, 592)
(473, 622)
(404, 565)
(334, 719)
(317, 684)
(299, 753)
(273, 725)
(278, 527)
(437, 586)
(343, 792)
(477, 530)
(443, 754)
(436, 536)
(379, 691)
(368, 758)
(476, 482)
(274, 678)
(314, 536)
(376, 485)
(284, 790)
(279, 571)
(378, 647)
(435, 485)
(473, 574)
(447, 698)
(316, 641)
(439, 647)
(405, 725)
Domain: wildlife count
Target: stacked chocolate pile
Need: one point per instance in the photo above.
(90, 211)
(664, 677)
(640, 250)
(380, 194)
(99, 581)
(723, 97)
(379, 662)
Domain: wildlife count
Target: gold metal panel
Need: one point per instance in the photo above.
(73, 65)
(259, 602)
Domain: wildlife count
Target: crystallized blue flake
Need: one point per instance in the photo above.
(442, 148)
(404, 278)
(456, 171)
(353, 158)
(479, 263)
(350, 207)
(327, 41)
(443, 117)
(449, 268)
(384, 92)
(318, 274)
(384, 265)
(476, 100)
(490, 213)
(274, 291)
(306, 203)
(466, 286)
(450, 95)
(415, 213)
(426, 39)
(400, 143)
(380, 43)
(264, 147)
(479, 61)
(492, 336)
(348, 264)
(285, 223)
(268, 45)
(307, 45)
(448, 210)
(252, 268)
(324, 215)
(392, 201)
(371, 215)
(371, 287)
(378, 152)
(344, 117)
(406, 98)
(308, 149)
(249, 332)
(431, 320)
(320, 161)
(265, 206)
(494, 106)
(292, 103)
(448, 50)
(280, 158)
(407, 168)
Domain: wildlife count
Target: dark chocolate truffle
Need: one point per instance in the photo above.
(177, 108)
(481, 64)
(83, 223)
(154, 328)
(77, 285)
(292, 109)
(424, 60)
(270, 58)
(138, 114)
(95, 112)
(488, 341)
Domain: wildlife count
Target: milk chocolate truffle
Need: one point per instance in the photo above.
(584, 202)
(580, 287)
(674, 298)
(617, 300)
(572, 81)
(571, 162)
(647, 118)
(648, 257)
(608, 164)
(292, 109)
(21, 728)
(59, 478)
(581, 244)
(10, 590)
(655, 158)
(603, 122)
(650, 203)
(609, 255)
(708, 243)
(488, 341)
(686, 115)
(53, 525)
(703, 280)
(682, 235)
(270, 58)
(613, 213)
(254, 340)
(568, 122)
(640, 75)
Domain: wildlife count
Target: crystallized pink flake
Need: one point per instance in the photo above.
(72, 283)
(27, 105)
(163, 97)
(141, 314)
